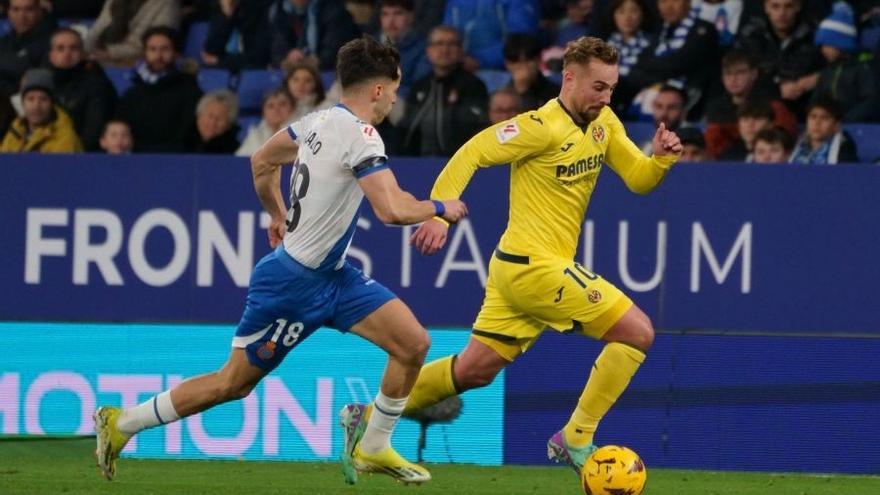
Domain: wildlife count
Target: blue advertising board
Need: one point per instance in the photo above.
(173, 238)
(53, 376)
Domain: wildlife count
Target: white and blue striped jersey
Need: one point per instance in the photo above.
(335, 150)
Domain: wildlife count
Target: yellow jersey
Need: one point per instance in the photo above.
(554, 166)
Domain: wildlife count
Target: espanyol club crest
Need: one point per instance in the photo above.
(598, 134)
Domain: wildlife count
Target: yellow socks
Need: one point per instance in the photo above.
(434, 384)
(615, 366)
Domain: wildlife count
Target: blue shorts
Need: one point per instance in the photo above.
(287, 302)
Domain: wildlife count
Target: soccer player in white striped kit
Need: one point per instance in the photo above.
(306, 282)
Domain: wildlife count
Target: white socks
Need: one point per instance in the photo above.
(156, 411)
(386, 412)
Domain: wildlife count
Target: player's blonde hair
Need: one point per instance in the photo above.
(586, 48)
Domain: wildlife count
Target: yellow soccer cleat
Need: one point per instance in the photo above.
(111, 441)
(389, 462)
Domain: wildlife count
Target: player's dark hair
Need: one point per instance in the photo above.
(165, 31)
(520, 46)
(586, 48)
(776, 135)
(829, 104)
(406, 5)
(363, 59)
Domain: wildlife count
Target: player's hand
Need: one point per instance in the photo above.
(666, 142)
(430, 237)
(276, 231)
(455, 210)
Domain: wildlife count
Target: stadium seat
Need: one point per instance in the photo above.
(253, 84)
(4, 26)
(121, 78)
(195, 38)
(867, 139)
(213, 79)
(494, 79)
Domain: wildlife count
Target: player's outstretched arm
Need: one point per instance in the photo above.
(395, 206)
(266, 168)
(640, 173)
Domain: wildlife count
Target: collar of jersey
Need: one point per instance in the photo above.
(582, 127)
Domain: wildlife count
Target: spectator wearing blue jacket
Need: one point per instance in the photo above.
(485, 24)
(396, 18)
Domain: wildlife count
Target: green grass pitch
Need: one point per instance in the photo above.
(32, 466)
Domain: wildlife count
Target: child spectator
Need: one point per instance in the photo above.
(693, 145)
(278, 107)
(752, 117)
(845, 78)
(824, 142)
(116, 138)
(772, 145)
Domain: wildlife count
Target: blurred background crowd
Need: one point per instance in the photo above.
(767, 81)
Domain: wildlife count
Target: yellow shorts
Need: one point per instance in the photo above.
(525, 295)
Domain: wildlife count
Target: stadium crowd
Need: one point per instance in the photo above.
(767, 81)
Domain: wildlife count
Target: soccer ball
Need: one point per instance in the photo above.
(614, 470)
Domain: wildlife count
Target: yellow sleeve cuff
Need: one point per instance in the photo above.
(665, 161)
(441, 220)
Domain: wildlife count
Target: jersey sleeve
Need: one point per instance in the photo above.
(640, 173)
(297, 129)
(512, 140)
(366, 153)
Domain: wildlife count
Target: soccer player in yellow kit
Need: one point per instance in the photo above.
(556, 153)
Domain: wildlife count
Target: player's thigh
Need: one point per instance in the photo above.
(500, 325)
(285, 304)
(568, 297)
(368, 309)
(238, 373)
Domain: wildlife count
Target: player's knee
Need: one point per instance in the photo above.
(644, 335)
(229, 390)
(415, 350)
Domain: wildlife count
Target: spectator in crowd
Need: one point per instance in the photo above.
(81, 87)
(504, 104)
(628, 32)
(845, 78)
(752, 117)
(312, 29)
(117, 34)
(26, 44)
(772, 145)
(44, 128)
(277, 111)
(668, 108)
(484, 24)
(783, 43)
(7, 112)
(577, 21)
(239, 35)
(362, 13)
(397, 20)
(725, 15)
(685, 51)
(824, 142)
(303, 82)
(216, 126)
(116, 138)
(522, 59)
(160, 106)
(447, 107)
(693, 145)
(741, 83)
